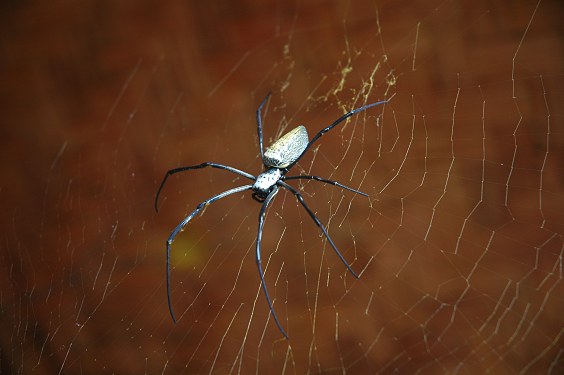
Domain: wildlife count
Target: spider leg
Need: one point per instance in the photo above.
(335, 123)
(181, 226)
(203, 165)
(259, 124)
(262, 215)
(316, 178)
(310, 212)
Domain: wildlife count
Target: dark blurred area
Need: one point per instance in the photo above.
(99, 98)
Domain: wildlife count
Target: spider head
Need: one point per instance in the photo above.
(265, 182)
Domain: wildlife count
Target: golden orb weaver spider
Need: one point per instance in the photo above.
(278, 159)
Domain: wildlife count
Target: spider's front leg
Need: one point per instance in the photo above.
(316, 220)
(181, 226)
(262, 215)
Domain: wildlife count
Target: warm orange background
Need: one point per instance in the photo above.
(99, 98)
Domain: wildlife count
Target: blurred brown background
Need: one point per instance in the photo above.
(460, 245)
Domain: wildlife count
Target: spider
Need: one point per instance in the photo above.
(278, 159)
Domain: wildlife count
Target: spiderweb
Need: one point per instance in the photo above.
(459, 246)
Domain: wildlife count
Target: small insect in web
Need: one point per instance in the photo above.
(278, 159)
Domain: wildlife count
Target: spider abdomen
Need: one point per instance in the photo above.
(287, 149)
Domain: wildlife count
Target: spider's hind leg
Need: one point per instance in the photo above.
(259, 124)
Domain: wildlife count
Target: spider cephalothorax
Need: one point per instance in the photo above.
(278, 159)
